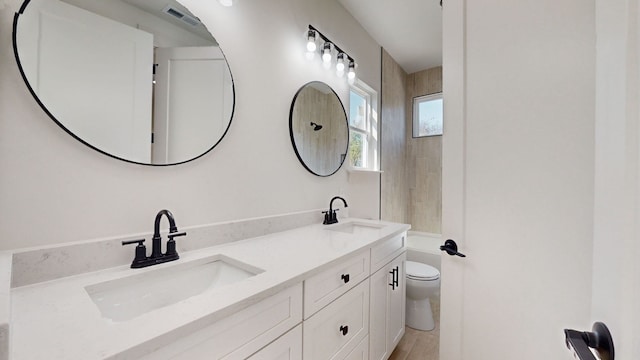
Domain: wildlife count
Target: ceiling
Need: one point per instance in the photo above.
(409, 30)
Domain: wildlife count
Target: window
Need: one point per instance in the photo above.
(363, 127)
(427, 115)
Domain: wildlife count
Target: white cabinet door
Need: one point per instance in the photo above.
(397, 302)
(387, 306)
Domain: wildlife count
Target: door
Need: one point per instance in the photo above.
(616, 275)
(193, 102)
(518, 169)
(110, 110)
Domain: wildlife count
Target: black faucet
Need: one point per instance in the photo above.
(330, 216)
(157, 257)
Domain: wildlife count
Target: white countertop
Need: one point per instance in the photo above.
(58, 320)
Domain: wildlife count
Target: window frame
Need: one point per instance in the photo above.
(416, 118)
(372, 126)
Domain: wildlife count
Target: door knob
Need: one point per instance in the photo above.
(451, 248)
(599, 339)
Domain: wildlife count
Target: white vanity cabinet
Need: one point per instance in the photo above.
(242, 334)
(387, 308)
(336, 309)
(287, 347)
(388, 294)
(335, 331)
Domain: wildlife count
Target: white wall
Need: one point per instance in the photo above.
(54, 189)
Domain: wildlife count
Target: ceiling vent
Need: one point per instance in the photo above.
(181, 16)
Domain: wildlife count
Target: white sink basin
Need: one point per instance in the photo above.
(125, 298)
(354, 227)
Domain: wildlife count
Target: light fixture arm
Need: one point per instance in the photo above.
(327, 40)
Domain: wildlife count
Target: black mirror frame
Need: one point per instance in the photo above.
(293, 142)
(44, 108)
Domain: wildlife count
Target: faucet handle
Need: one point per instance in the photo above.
(129, 242)
(176, 234)
(171, 244)
(327, 217)
(141, 252)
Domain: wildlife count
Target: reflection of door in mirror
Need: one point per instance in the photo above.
(91, 65)
(61, 53)
(193, 89)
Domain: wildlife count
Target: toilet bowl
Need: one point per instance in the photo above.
(423, 282)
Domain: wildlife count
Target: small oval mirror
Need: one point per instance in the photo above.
(319, 129)
(140, 80)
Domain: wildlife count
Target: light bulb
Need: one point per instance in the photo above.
(340, 64)
(311, 41)
(226, 2)
(352, 71)
(326, 53)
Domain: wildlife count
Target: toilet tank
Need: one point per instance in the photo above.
(424, 248)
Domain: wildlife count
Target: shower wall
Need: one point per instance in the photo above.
(394, 194)
(424, 158)
(411, 181)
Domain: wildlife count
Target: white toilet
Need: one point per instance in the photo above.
(423, 282)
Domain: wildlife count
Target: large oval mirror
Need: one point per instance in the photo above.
(140, 80)
(318, 128)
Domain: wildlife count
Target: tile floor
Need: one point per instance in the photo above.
(420, 345)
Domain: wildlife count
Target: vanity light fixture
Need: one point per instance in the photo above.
(342, 58)
(340, 63)
(311, 41)
(226, 2)
(326, 52)
(351, 75)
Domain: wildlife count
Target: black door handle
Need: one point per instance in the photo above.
(599, 339)
(451, 248)
(345, 278)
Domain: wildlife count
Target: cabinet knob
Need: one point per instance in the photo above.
(345, 278)
(344, 329)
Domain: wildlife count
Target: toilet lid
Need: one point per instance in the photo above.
(420, 271)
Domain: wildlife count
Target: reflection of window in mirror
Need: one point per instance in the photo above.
(363, 127)
(427, 115)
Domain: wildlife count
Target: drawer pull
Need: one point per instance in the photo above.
(345, 278)
(344, 329)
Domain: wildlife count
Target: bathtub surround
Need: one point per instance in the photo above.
(412, 178)
(394, 194)
(56, 190)
(424, 159)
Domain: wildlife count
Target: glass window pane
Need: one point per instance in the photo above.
(358, 149)
(357, 111)
(428, 116)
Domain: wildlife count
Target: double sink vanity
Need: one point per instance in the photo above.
(313, 292)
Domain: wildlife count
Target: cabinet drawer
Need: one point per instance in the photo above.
(323, 288)
(361, 352)
(387, 250)
(333, 332)
(241, 334)
(287, 347)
